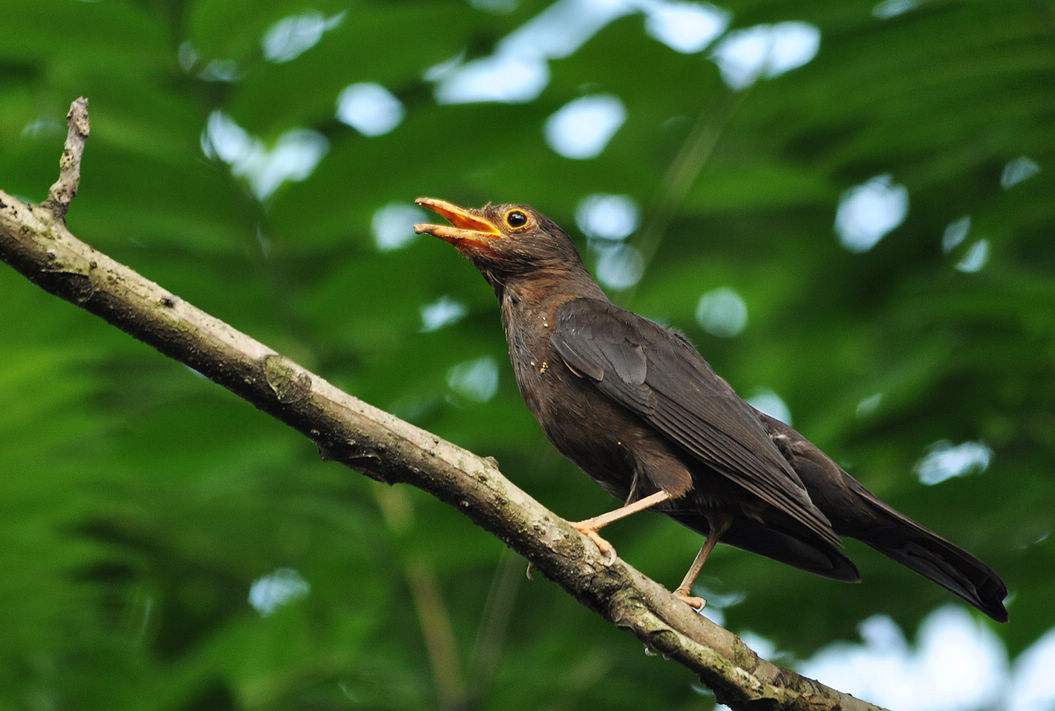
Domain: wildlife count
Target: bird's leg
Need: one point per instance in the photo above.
(633, 490)
(591, 526)
(684, 591)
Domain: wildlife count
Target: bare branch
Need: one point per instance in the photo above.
(34, 240)
(62, 192)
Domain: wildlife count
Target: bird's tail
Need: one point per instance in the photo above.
(856, 512)
(930, 555)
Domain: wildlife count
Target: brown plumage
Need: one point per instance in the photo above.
(639, 410)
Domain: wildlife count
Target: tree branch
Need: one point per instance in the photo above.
(35, 241)
(62, 192)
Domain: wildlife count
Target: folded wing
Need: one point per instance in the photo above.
(660, 377)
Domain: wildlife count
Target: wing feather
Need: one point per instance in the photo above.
(660, 377)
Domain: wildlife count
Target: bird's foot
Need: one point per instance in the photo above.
(686, 596)
(606, 549)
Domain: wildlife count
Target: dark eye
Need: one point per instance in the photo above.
(516, 218)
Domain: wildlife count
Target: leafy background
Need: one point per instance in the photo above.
(163, 545)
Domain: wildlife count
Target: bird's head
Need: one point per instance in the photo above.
(504, 241)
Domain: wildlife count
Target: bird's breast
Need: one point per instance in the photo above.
(584, 425)
(528, 326)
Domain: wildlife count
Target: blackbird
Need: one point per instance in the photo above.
(637, 407)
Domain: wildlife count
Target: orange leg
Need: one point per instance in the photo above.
(684, 591)
(591, 526)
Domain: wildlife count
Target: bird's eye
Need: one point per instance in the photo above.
(516, 218)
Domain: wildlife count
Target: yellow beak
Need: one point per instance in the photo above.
(467, 224)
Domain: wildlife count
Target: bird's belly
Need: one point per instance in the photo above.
(616, 449)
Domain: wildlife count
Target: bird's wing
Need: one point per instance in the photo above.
(659, 376)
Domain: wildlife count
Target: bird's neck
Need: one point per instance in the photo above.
(529, 316)
(529, 309)
(545, 287)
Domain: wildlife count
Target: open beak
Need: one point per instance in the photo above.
(467, 225)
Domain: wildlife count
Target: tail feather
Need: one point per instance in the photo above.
(932, 556)
(855, 511)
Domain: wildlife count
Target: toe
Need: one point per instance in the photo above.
(607, 551)
(696, 603)
(604, 547)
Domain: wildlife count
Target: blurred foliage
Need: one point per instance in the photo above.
(140, 502)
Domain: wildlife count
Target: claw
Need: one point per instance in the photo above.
(606, 549)
(686, 596)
